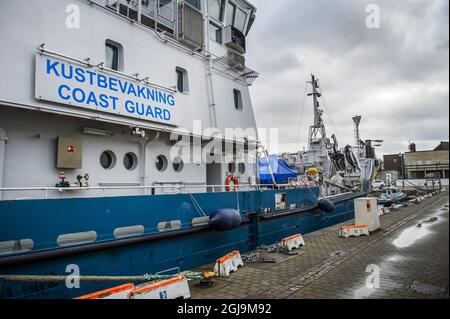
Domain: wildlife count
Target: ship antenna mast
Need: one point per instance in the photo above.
(319, 127)
(357, 122)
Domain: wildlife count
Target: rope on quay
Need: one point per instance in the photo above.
(144, 278)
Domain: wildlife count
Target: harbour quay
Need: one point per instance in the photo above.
(408, 258)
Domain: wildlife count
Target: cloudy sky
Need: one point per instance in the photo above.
(396, 77)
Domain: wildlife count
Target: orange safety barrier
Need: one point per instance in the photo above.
(107, 292)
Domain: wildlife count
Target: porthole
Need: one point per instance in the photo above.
(108, 159)
(130, 161)
(232, 168)
(242, 168)
(161, 163)
(178, 165)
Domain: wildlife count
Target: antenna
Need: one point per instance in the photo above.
(318, 121)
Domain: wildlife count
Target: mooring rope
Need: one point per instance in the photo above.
(61, 278)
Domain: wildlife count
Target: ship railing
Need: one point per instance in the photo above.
(156, 189)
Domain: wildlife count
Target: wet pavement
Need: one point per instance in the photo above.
(407, 259)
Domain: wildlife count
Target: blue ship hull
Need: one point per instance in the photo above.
(187, 247)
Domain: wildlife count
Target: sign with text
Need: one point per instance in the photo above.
(68, 83)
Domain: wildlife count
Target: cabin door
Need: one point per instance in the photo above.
(2, 156)
(213, 177)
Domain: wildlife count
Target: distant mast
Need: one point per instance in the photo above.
(357, 122)
(318, 131)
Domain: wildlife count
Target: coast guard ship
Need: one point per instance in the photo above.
(114, 151)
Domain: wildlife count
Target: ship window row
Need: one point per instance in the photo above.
(162, 163)
(229, 15)
(114, 56)
(232, 168)
(108, 161)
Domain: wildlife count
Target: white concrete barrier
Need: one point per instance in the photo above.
(384, 211)
(293, 242)
(228, 264)
(174, 288)
(354, 231)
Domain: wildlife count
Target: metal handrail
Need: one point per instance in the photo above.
(178, 185)
(150, 190)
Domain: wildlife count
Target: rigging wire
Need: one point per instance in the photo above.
(329, 114)
(301, 115)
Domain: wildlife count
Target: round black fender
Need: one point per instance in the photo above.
(225, 220)
(326, 205)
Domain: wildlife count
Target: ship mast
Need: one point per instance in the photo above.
(318, 131)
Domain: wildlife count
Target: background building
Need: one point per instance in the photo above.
(418, 166)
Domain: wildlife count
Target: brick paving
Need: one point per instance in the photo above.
(330, 267)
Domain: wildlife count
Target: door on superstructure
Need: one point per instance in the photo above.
(213, 177)
(2, 156)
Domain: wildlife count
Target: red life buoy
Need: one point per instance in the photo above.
(235, 181)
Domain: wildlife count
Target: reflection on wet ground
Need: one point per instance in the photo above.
(406, 239)
(427, 288)
(413, 234)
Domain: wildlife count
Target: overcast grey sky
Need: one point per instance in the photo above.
(396, 77)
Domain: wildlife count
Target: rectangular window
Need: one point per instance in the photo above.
(231, 8)
(112, 56)
(240, 19)
(163, 3)
(194, 3)
(236, 17)
(215, 33)
(182, 80)
(215, 9)
(238, 100)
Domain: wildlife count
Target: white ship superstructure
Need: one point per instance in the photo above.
(104, 84)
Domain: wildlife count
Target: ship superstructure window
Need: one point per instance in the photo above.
(215, 9)
(112, 56)
(215, 33)
(161, 163)
(163, 3)
(130, 161)
(242, 168)
(236, 16)
(232, 168)
(238, 100)
(182, 80)
(108, 159)
(239, 19)
(194, 3)
(178, 165)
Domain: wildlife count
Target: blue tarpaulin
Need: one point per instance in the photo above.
(281, 171)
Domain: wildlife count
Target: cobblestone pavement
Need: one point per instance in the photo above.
(411, 252)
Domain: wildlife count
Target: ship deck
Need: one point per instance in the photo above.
(411, 252)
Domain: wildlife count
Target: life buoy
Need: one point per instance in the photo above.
(235, 181)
